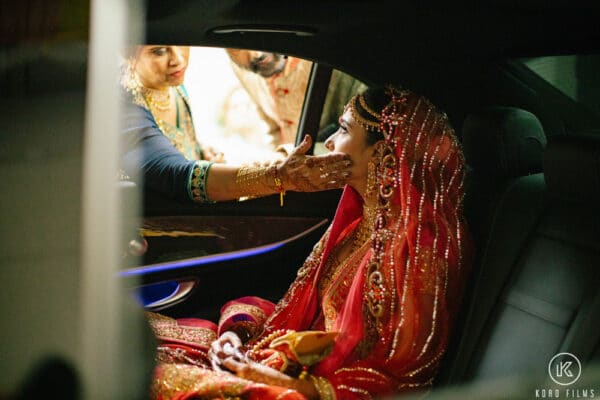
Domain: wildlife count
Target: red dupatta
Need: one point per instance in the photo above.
(396, 316)
(407, 288)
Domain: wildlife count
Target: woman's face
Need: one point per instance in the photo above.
(161, 66)
(351, 139)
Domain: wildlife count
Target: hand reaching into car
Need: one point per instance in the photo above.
(297, 172)
(304, 173)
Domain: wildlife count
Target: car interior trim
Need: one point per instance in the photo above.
(233, 255)
(182, 290)
(290, 30)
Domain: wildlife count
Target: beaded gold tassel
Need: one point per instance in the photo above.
(386, 182)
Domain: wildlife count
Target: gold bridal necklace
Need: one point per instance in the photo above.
(364, 229)
(158, 99)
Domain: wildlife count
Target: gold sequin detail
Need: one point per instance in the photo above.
(165, 327)
(323, 387)
(174, 379)
(355, 390)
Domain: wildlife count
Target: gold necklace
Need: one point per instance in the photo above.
(158, 99)
(365, 228)
(359, 237)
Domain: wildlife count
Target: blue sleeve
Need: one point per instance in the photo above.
(149, 156)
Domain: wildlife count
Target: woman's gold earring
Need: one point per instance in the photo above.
(371, 180)
(129, 78)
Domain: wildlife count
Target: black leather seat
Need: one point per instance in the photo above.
(535, 290)
(501, 144)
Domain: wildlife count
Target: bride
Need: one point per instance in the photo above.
(371, 309)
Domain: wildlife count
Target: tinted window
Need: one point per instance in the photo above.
(575, 75)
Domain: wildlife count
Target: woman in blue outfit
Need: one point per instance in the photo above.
(160, 145)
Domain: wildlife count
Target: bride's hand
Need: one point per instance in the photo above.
(257, 372)
(302, 173)
(228, 345)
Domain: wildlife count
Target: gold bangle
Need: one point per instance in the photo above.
(249, 179)
(253, 181)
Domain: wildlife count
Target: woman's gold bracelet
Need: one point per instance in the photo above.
(253, 181)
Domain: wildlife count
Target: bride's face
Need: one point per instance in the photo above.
(161, 66)
(351, 139)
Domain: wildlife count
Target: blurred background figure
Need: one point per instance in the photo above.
(277, 85)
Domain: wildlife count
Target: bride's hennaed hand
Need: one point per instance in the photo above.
(303, 173)
(257, 372)
(228, 345)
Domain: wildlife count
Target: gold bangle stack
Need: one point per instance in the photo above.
(256, 181)
(250, 180)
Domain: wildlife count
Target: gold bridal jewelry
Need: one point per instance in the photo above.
(254, 181)
(371, 180)
(158, 99)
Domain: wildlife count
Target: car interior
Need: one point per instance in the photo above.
(519, 83)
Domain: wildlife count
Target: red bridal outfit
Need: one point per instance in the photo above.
(389, 305)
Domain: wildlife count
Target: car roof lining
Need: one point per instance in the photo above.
(434, 45)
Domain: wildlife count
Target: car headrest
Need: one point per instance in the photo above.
(505, 142)
(572, 166)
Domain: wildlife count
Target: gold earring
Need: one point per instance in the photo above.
(129, 78)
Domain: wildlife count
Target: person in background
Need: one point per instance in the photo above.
(277, 85)
(160, 147)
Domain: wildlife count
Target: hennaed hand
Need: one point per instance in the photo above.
(302, 173)
(257, 372)
(228, 345)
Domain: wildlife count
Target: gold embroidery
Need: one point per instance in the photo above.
(362, 369)
(182, 137)
(245, 329)
(323, 387)
(336, 284)
(173, 379)
(170, 355)
(355, 390)
(427, 383)
(167, 328)
(255, 312)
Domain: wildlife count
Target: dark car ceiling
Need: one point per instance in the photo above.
(409, 42)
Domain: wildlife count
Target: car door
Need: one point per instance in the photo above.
(187, 259)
